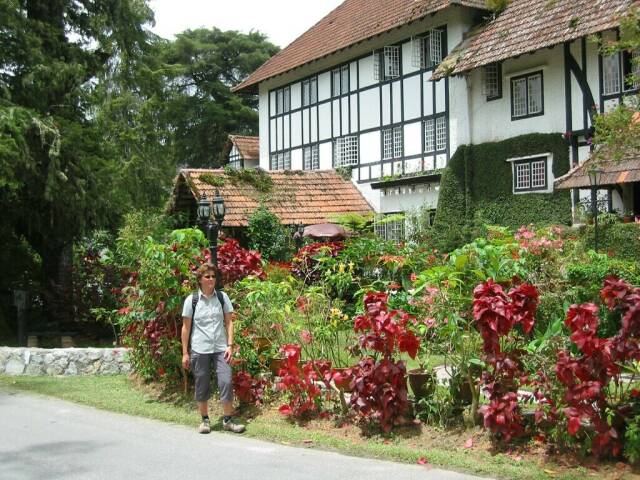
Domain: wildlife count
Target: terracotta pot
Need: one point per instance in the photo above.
(422, 383)
(627, 219)
(262, 344)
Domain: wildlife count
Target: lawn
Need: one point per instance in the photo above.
(408, 444)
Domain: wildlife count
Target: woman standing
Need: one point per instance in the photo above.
(207, 339)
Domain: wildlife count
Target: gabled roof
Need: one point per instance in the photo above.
(529, 25)
(626, 170)
(249, 147)
(295, 197)
(351, 22)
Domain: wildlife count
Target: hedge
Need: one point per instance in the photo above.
(621, 240)
(476, 189)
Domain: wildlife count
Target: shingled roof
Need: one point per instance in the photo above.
(626, 170)
(529, 25)
(295, 197)
(351, 22)
(249, 147)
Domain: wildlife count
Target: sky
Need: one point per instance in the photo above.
(281, 20)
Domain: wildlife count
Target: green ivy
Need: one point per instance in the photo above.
(211, 179)
(621, 240)
(476, 189)
(257, 178)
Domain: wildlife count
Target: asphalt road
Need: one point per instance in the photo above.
(44, 438)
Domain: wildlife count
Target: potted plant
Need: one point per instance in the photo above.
(627, 217)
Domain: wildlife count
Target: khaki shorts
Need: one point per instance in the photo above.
(201, 368)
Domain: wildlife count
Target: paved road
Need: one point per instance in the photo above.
(44, 438)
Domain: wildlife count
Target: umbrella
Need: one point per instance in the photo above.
(325, 230)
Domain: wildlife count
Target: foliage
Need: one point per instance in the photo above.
(476, 189)
(344, 172)
(235, 262)
(305, 264)
(496, 314)
(380, 388)
(211, 179)
(305, 397)
(595, 391)
(267, 235)
(354, 222)
(256, 177)
(248, 389)
(619, 240)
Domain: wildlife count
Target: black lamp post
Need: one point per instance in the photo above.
(210, 228)
(594, 180)
(297, 236)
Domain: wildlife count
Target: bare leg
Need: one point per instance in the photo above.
(203, 408)
(227, 408)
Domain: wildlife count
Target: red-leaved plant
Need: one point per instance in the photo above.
(496, 314)
(300, 382)
(248, 389)
(379, 386)
(304, 264)
(589, 377)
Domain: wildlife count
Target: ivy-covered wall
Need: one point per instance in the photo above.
(476, 189)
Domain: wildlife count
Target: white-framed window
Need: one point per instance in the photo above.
(435, 134)
(611, 74)
(527, 99)
(345, 151)
(618, 72)
(427, 50)
(340, 80)
(390, 227)
(283, 100)
(309, 91)
(531, 174)
(281, 161)
(311, 158)
(386, 64)
(492, 81)
(392, 143)
(235, 159)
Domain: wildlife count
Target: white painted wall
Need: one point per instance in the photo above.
(401, 199)
(296, 129)
(296, 95)
(296, 159)
(411, 96)
(370, 147)
(324, 86)
(396, 93)
(412, 138)
(326, 159)
(324, 112)
(386, 104)
(369, 109)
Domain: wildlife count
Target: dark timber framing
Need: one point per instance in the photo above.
(341, 123)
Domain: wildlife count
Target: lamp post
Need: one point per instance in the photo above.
(210, 228)
(297, 236)
(594, 179)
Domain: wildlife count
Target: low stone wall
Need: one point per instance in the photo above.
(63, 361)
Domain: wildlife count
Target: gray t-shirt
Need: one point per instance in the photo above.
(208, 332)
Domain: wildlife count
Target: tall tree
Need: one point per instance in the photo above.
(201, 66)
(55, 177)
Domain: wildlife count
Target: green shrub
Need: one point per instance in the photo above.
(268, 236)
(621, 240)
(476, 189)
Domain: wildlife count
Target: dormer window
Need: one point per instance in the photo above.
(235, 159)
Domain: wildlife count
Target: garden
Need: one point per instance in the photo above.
(525, 342)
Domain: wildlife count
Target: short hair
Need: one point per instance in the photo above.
(206, 268)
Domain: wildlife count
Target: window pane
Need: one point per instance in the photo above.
(287, 99)
(278, 102)
(287, 161)
(344, 80)
(538, 174)
(522, 176)
(336, 83)
(305, 92)
(435, 47)
(306, 158)
(346, 151)
(315, 157)
(441, 133)
(611, 74)
(429, 135)
(519, 92)
(535, 94)
(491, 81)
(387, 144)
(397, 142)
(391, 62)
(313, 96)
(630, 69)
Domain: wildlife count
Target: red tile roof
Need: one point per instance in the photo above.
(529, 25)
(249, 147)
(351, 22)
(296, 196)
(625, 170)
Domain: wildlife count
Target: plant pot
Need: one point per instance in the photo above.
(627, 219)
(343, 384)
(275, 364)
(262, 344)
(422, 383)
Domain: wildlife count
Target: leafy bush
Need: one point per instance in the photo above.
(619, 240)
(268, 236)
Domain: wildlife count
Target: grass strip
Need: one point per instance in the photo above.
(118, 394)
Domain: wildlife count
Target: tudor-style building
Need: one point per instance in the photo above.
(391, 89)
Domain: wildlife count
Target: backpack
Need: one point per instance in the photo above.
(194, 301)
